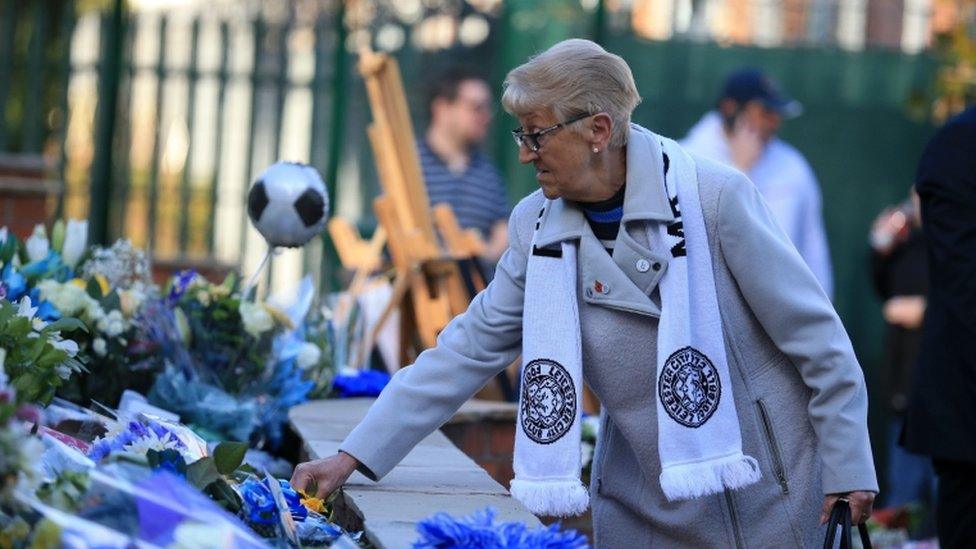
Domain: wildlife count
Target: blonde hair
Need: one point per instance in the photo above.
(573, 78)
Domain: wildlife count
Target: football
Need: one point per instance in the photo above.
(288, 204)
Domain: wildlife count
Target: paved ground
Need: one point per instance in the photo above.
(434, 477)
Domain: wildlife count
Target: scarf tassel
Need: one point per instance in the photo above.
(692, 480)
(552, 498)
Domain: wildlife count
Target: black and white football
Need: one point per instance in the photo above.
(288, 204)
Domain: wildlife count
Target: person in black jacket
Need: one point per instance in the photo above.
(941, 418)
(900, 274)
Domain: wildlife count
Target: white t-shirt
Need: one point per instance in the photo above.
(787, 183)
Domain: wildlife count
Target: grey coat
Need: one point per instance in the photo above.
(799, 391)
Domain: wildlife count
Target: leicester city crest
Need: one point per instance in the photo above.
(689, 387)
(548, 403)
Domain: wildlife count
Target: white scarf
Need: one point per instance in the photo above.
(699, 440)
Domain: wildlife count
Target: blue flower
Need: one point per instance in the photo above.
(294, 501)
(364, 383)
(480, 531)
(134, 431)
(49, 267)
(259, 505)
(181, 282)
(14, 283)
(46, 311)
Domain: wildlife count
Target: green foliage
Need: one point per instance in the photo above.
(955, 86)
(66, 491)
(202, 473)
(228, 456)
(35, 364)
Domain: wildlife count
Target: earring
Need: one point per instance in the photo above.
(596, 150)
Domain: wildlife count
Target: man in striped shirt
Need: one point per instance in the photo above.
(460, 107)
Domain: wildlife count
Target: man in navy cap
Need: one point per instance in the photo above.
(741, 132)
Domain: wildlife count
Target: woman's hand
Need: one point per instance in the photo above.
(861, 504)
(323, 476)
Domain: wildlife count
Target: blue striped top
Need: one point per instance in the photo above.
(604, 218)
(477, 196)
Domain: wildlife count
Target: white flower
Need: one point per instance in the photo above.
(99, 346)
(94, 311)
(203, 297)
(256, 318)
(69, 298)
(308, 355)
(69, 346)
(24, 308)
(38, 245)
(112, 324)
(63, 371)
(75, 239)
(152, 442)
(130, 300)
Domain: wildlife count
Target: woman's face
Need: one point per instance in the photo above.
(564, 161)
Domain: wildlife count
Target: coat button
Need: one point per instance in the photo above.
(643, 265)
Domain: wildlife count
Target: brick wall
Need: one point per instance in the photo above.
(489, 443)
(27, 196)
(485, 431)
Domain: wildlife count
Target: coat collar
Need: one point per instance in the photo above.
(645, 199)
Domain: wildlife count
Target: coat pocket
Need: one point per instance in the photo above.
(776, 455)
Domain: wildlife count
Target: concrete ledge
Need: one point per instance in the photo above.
(434, 477)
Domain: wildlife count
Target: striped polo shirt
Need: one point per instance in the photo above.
(604, 218)
(477, 196)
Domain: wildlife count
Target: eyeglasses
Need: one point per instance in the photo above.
(531, 140)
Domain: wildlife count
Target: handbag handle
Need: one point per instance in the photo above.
(841, 515)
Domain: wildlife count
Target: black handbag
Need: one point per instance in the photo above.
(840, 515)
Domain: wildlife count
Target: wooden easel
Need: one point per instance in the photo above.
(427, 282)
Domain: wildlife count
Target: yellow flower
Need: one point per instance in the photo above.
(102, 283)
(312, 503)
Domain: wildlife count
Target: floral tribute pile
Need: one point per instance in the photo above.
(132, 412)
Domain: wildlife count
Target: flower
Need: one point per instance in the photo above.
(293, 499)
(259, 505)
(308, 355)
(313, 503)
(37, 244)
(24, 308)
(112, 324)
(480, 531)
(256, 318)
(130, 300)
(69, 298)
(69, 346)
(203, 297)
(364, 383)
(98, 345)
(13, 283)
(75, 239)
(181, 283)
(138, 438)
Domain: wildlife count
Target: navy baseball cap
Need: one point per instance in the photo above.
(752, 84)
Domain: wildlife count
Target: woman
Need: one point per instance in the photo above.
(734, 410)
